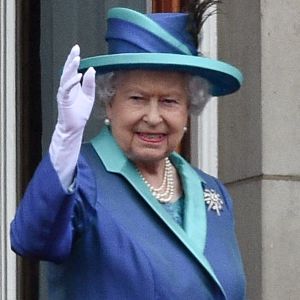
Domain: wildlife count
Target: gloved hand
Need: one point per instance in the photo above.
(75, 102)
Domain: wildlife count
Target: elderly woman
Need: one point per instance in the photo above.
(124, 216)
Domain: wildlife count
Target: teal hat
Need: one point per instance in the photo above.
(159, 41)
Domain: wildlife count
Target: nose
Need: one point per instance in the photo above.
(152, 115)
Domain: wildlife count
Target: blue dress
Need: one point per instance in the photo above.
(108, 238)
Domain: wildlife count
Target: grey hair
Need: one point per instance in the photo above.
(198, 93)
(198, 90)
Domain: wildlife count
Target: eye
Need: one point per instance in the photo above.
(136, 98)
(169, 101)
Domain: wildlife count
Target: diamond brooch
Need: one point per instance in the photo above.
(213, 200)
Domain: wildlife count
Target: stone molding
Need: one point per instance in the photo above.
(8, 264)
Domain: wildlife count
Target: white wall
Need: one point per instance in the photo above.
(204, 128)
(7, 147)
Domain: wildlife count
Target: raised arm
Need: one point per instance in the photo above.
(42, 227)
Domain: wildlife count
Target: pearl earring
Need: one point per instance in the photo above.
(185, 129)
(107, 121)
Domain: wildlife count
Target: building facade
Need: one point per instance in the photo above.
(251, 139)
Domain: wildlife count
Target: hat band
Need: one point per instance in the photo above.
(125, 37)
(146, 22)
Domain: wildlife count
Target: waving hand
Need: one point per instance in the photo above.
(75, 101)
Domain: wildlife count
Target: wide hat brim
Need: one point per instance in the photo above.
(223, 78)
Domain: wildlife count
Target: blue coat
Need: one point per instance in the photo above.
(109, 239)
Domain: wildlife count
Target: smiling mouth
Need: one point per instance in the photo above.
(151, 137)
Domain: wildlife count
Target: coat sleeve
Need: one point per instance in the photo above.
(43, 227)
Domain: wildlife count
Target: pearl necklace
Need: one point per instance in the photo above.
(165, 192)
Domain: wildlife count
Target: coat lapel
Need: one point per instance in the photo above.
(193, 236)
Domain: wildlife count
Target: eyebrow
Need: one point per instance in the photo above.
(135, 88)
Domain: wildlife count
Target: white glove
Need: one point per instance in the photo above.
(75, 102)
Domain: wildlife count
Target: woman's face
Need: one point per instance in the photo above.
(148, 113)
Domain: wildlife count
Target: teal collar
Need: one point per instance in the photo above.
(193, 236)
